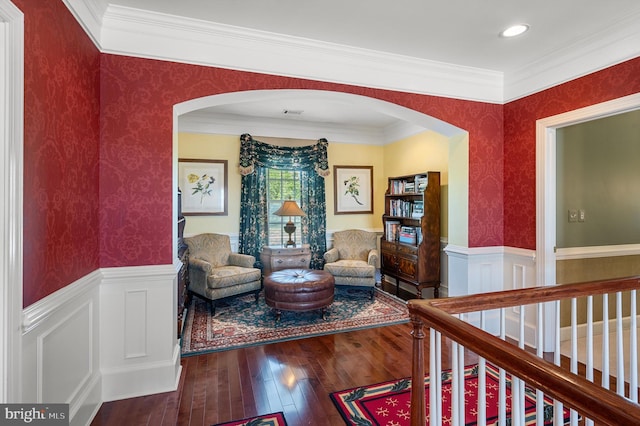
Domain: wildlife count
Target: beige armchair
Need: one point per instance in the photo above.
(353, 258)
(215, 272)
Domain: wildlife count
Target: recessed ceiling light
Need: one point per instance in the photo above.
(514, 30)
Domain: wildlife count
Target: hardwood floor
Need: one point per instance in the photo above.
(294, 377)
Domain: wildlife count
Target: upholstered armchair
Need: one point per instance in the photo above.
(216, 273)
(353, 258)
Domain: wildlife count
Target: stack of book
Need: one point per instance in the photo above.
(408, 235)
(421, 182)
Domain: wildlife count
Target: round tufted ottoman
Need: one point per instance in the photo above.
(299, 290)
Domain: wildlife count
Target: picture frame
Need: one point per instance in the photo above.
(204, 186)
(353, 189)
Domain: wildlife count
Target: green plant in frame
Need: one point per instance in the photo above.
(203, 185)
(353, 188)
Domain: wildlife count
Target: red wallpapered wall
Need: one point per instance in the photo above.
(61, 136)
(136, 149)
(520, 139)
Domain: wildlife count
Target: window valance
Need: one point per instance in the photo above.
(254, 154)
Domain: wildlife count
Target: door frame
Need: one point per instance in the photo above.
(546, 184)
(11, 194)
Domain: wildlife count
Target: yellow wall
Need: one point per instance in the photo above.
(214, 147)
(341, 154)
(428, 152)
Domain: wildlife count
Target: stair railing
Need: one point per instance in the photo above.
(591, 401)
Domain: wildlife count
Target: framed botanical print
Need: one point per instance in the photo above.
(353, 189)
(204, 186)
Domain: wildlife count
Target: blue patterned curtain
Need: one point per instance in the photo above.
(255, 158)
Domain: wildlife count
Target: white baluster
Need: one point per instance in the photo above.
(633, 349)
(482, 381)
(589, 372)
(619, 346)
(605, 341)
(539, 353)
(558, 418)
(502, 387)
(434, 411)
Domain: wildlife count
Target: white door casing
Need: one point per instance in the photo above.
(11, 223)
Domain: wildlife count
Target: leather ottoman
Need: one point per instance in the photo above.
(299, 290)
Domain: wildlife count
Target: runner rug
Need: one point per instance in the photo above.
(241, 322)
(275, 419)
(389, 403)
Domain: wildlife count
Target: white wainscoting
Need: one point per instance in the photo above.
(61, 349)
(139, 348)
(489, 269)
(110, 335)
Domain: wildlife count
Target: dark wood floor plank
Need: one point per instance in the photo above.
(295, 377)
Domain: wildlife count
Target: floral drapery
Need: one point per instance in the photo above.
(255, 158)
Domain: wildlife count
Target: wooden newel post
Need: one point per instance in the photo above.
(418, 401)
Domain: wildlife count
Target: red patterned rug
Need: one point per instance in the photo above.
(274, 419)
(241, 322)
(389, 403)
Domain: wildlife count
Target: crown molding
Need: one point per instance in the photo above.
(589, 54)
(231, 124)
(89, 14)
(139, 33)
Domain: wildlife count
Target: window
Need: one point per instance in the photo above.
(282, 185)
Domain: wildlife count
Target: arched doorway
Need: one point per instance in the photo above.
(458, 180)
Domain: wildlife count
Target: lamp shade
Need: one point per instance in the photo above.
(289, 208)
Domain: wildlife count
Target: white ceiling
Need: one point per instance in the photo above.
(460, 32)
(564, 41)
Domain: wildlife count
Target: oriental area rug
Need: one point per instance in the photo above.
(241, 322)
(275, 419)
(389, 403)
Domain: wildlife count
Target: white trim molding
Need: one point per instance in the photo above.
(11, 189)
(546, 179)
(140, 33)
(148, 34)
(591, 252)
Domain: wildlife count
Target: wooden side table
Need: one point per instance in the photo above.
(278, 258)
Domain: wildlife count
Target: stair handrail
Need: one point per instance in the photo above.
(595, 402)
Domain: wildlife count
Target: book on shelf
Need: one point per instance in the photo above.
(392, 230)
(417, 210)
(408, 235)
(421, 182)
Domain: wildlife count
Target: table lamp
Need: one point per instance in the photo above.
(289, 208)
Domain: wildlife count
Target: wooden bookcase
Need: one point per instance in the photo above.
(412, 256)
